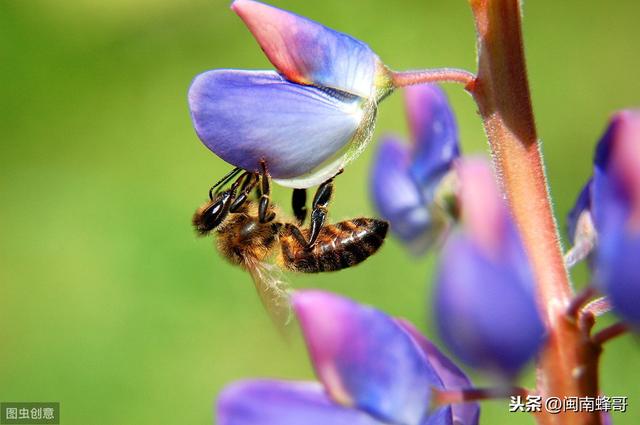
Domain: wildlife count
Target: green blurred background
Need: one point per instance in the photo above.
(111, 305)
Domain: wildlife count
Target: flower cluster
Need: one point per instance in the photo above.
(484, 296)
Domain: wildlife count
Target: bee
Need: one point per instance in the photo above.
(249, 235)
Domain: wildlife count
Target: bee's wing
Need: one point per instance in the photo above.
(273, 291)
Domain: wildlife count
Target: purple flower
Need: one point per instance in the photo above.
(373, 369)
(306, 121)
(406, 178)
(615, 208)
(485, 307)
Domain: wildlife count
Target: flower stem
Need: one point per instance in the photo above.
(436, 75)
(444, 397)
(579, 301)
(567, 365)
(607, 334)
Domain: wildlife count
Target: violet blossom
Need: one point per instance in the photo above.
(485, 307)
(373, 370)
(405, 178)
(611, 201)
(307, 120)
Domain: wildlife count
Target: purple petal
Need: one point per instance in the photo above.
(484, 300)
(616, 204)
(435, 134)
(486, 217)
(309, 53)
(452, 376)
(248, 116)
(441, 416)
(365, 359)
(397, 198)
(485, 314)
(284, 403)
(618, 272)
(616, 181)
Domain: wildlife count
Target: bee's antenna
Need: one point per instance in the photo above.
(223, 181)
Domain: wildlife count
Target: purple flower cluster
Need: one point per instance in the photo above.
(485, 305)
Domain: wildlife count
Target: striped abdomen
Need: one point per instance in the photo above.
(339, 245)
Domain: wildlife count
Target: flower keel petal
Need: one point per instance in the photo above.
(434, 134)
(484, 302)
(397, 198)
(249, 116)
(307, 52)
(365, 359)
(284, 403)
(453, 378)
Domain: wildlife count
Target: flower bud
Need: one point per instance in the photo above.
(406, 178)
(485, 307)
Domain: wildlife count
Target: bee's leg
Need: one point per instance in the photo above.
(265, 214)
(249, 183)
(217, 209)
(299, 205)
(223, 181)
(319, 212)
(296, 233)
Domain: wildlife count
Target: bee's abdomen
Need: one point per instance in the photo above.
(338, 246)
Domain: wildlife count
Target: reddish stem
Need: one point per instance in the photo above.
(579, 301)
(444, 397)
(437, 75)
(607, 334)
(567, 365)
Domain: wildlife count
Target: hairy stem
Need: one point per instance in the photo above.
(437, 75)
(567, 365)
(579, 301)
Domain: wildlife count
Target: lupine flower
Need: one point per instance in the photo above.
(405, 178)
(373, 370)
(614, 193)
(305, 121)
(485, 308)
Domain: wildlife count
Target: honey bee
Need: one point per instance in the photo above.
(250, 235)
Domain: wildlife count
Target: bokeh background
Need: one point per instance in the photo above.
(111, 305)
